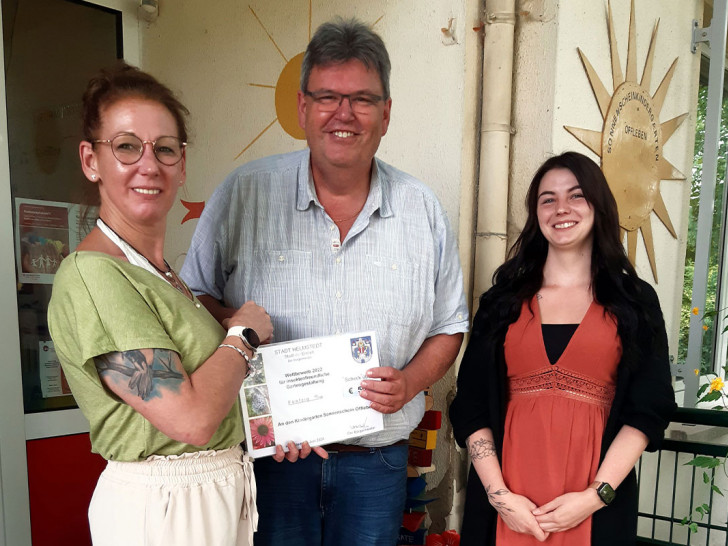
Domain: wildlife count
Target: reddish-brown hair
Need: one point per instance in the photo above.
(121, 82)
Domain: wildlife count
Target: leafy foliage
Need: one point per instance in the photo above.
(708, 463)
(709, 318)
(715, 241)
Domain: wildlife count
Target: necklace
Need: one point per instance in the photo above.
(137, 258)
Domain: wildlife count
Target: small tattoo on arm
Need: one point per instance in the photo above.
(499, 505)
(144, 376)
(481, 448)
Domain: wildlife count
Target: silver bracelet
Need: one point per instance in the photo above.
(241, 352)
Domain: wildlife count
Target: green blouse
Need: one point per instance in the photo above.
(101, 305)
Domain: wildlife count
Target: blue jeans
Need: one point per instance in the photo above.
(352, 499)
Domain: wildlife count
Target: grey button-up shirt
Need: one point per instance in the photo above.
(264, 236)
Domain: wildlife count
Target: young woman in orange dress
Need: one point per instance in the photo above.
(565, 380)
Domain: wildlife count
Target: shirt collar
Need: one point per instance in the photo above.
(305, 192)
(378, 189)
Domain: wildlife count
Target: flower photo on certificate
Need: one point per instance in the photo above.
(261, 432)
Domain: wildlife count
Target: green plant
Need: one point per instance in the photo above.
(706, 463)
(706, 356)
(714, 393)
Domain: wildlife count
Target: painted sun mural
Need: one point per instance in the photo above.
(286, 87)
(631, 140)
(286, 105)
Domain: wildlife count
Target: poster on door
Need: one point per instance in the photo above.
(45, 233)
(52, 380)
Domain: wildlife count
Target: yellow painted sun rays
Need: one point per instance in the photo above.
(285, 88)
(286, 107)
(631, 140)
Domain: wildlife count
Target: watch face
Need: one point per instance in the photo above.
(252, 337)
(606, 493)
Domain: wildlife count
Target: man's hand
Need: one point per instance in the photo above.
(252, 315)
(568, 510)
(397, 387)
(294, 453)
(390, 393)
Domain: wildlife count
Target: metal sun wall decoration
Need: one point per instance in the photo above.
(631, 140)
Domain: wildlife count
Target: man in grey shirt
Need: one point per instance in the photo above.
(332, 240)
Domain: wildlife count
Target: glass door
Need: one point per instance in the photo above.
(50, 50)
(65, 43)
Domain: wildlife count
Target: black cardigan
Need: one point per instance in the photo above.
(644, 399)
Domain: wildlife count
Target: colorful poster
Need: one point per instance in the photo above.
(46, 232)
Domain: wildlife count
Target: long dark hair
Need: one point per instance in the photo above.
(614, 282)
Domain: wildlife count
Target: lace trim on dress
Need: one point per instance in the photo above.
(557, 381)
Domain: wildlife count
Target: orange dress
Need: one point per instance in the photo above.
(556, 414)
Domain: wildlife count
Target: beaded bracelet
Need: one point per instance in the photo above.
(241, 352)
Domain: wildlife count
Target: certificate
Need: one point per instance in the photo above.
(308, 390)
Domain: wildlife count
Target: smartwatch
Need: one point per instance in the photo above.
(605, 492)
(248, 336)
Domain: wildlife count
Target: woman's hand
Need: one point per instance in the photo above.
(252, 315)
(516, 512)
(568, 510)
(294, 453)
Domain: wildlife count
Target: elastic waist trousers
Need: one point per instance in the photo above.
(195, 499)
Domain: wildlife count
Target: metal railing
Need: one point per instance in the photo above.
(669, 489)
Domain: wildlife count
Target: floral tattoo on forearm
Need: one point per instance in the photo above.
(481, 448)
(499, 505)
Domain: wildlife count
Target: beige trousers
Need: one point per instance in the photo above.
(194, 499)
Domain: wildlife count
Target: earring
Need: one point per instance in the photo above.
(93, 177)
(181, 182)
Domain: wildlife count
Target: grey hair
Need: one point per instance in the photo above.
(342, 40)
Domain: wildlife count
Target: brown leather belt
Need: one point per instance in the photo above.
(348, 448)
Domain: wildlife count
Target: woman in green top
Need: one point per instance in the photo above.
(154, 373)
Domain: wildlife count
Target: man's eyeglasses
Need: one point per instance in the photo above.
(129, 148)
(329, 101)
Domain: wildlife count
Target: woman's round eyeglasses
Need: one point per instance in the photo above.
(129, 148)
